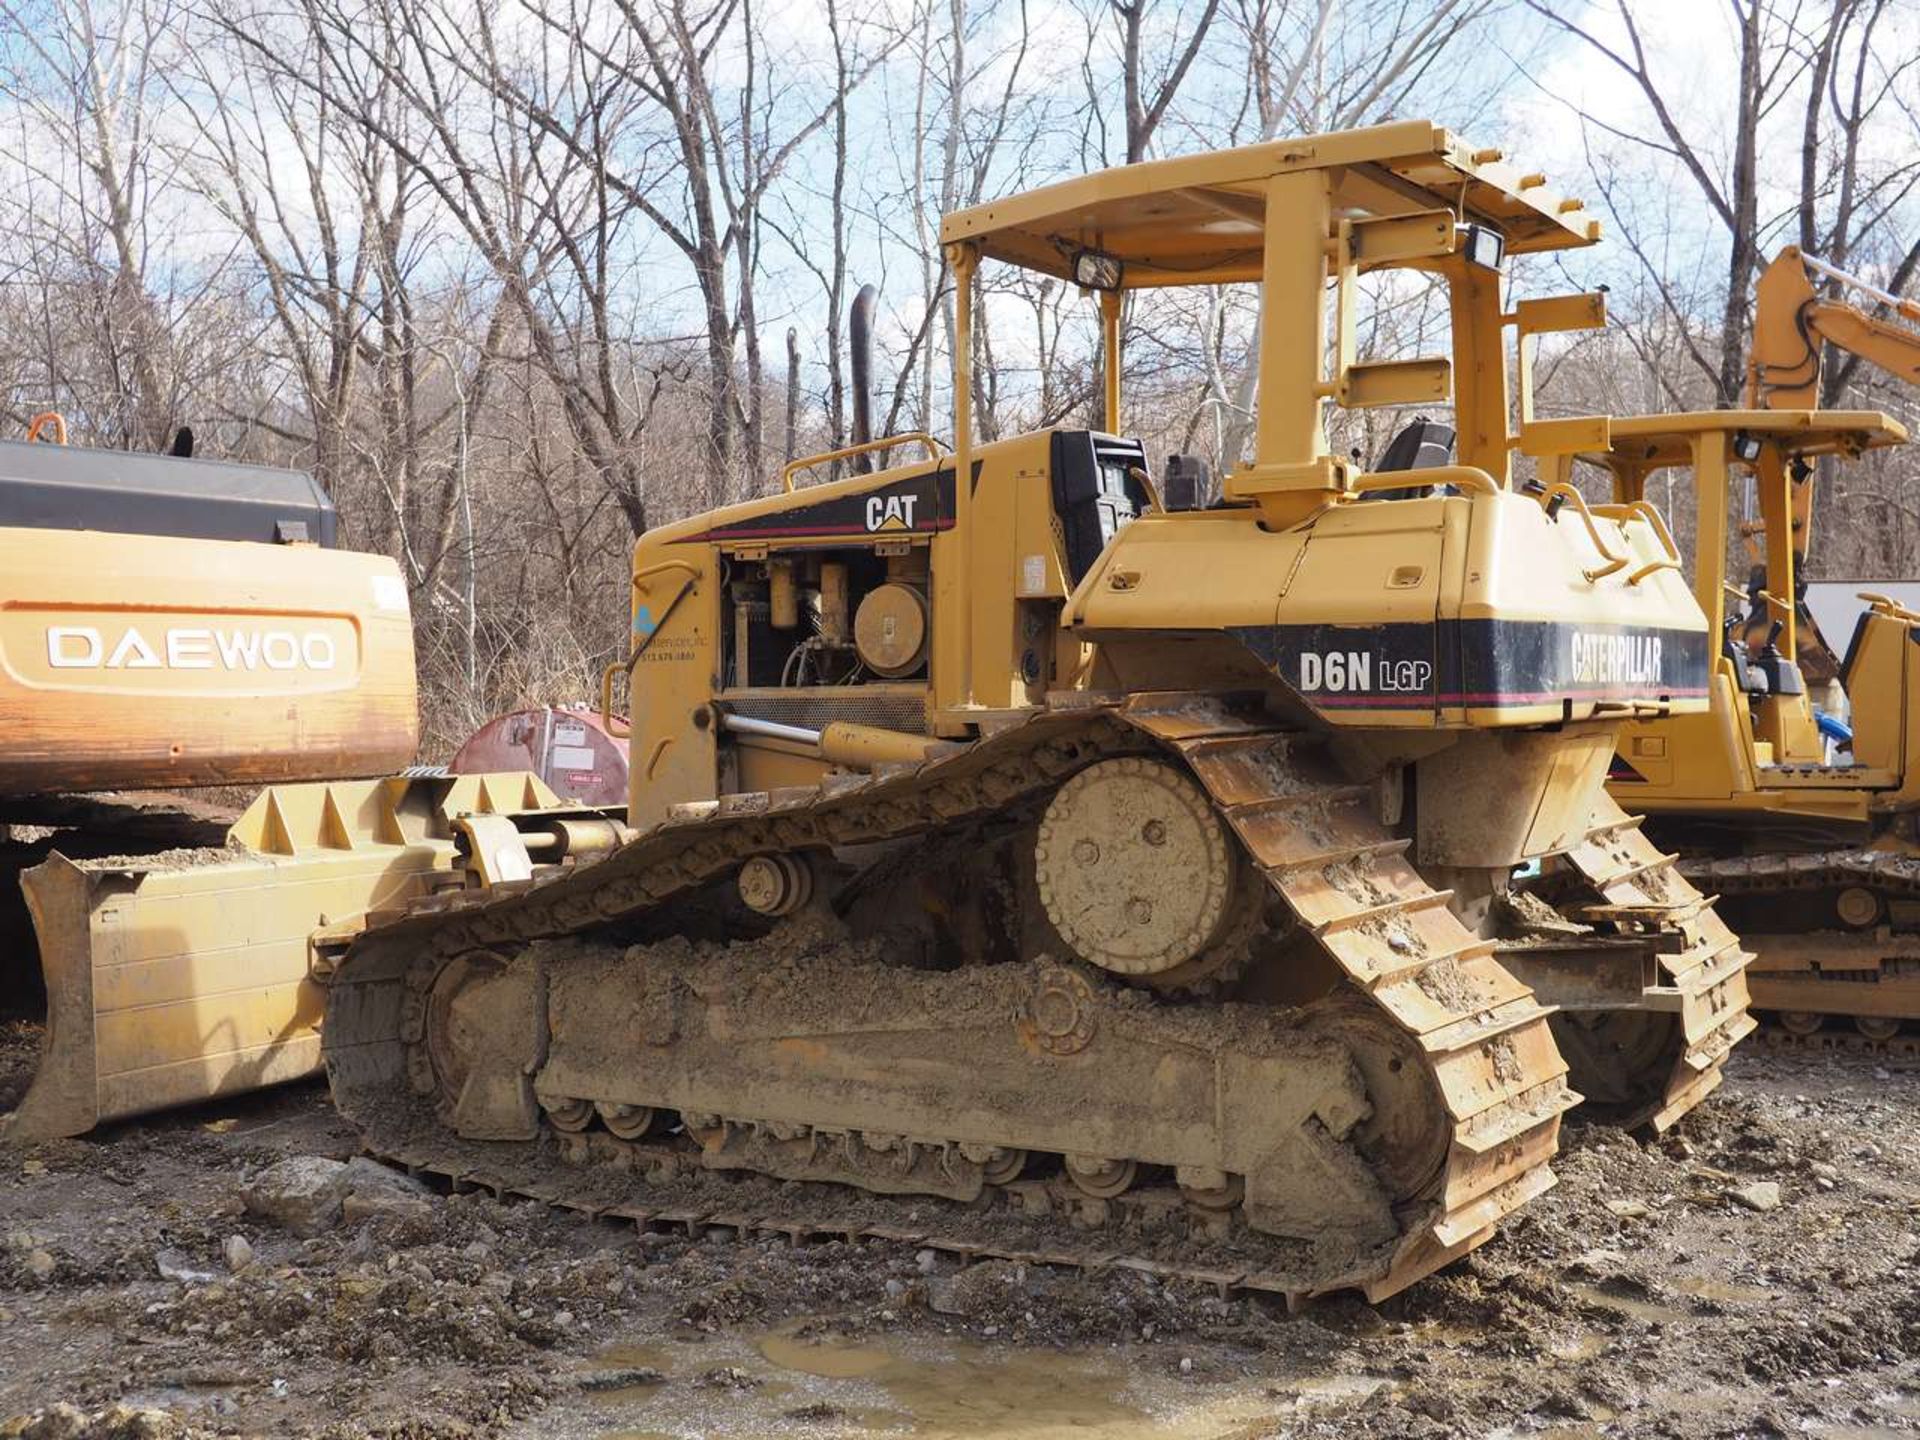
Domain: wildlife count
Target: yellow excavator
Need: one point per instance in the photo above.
(1138, 877)
(1803, 827)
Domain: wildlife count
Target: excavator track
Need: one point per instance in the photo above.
(481, 1016)
(1855, 967)
(1693, 1015)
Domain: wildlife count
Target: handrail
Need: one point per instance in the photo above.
(607, 718)
(1646, 510)
(886, 442)
(48, 418)
(641, 576)
(1466, 477)
(1652, 567)
(1614, 562)
(1888, 606)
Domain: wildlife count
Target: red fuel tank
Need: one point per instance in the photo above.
(568, 747)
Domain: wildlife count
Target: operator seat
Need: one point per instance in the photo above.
(1421, 444)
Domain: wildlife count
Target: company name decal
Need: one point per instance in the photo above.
(1413, 666)
(189, 647)
(1600, 659)
(891, 512)
(921, 504)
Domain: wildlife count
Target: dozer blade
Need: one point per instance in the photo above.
(190, 974)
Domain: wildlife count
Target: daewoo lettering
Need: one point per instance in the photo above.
(189, 647)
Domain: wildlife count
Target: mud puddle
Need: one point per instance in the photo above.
(799, 1378)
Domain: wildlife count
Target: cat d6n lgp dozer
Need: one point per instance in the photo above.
(1137, 879)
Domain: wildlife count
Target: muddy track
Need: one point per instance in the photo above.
(1646, 893)
(1479, 1035)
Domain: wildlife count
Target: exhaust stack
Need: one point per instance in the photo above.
(860, 346)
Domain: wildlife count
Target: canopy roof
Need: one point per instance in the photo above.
(1200, 219)
(1652, 441)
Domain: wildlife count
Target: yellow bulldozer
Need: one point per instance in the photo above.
(1805, 831)
(1004, 830)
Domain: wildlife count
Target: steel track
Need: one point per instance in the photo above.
(1316, 839)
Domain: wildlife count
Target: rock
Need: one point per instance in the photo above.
(41, 1265)
(372, 1189)
(926, 1261)
(238, 1252)
(56, 1422)
(173, 1265)
(1186, 1364)
(116, 1422)
(19, 1242)
(304, 1194)
(124, 1422)
(625, 1378)
(357, 1207)
(895, 1289)
(1629, 1209)
(1762, 1195)
(1598, 1262)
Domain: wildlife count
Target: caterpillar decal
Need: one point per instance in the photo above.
(920, 504)
(1479, 662)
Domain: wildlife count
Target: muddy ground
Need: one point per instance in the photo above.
(1643, 1297)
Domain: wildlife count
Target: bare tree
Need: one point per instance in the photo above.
(82, 81)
